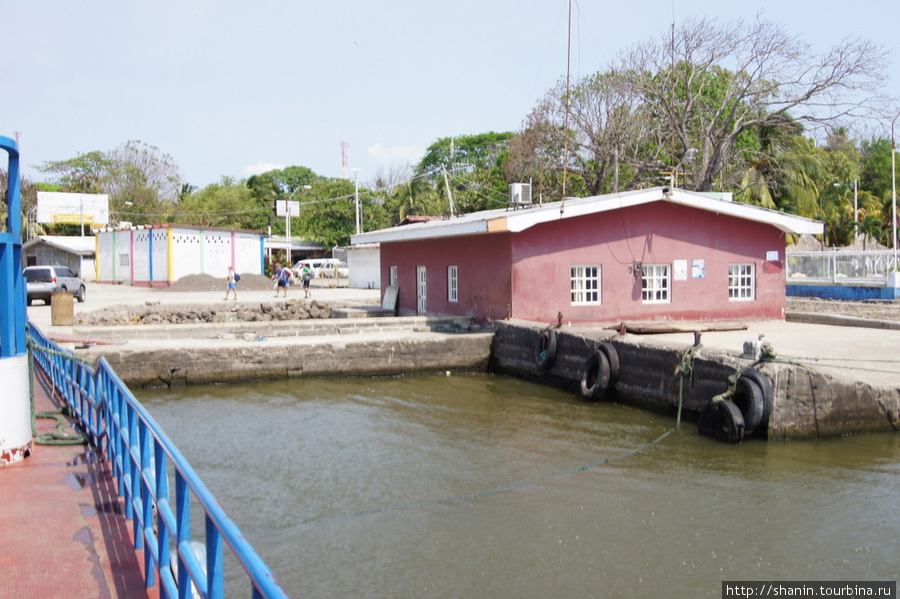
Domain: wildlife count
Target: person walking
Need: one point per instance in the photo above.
(231, 283)
(307, 277)
(282, 279)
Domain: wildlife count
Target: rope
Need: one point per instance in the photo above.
(59, 437)
(685, 369)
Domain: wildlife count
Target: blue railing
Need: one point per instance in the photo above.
(140, 454)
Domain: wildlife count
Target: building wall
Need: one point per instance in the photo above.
(364, 265)
(657, 233)
(46, 255)
(161, 256)
(483, 269)
(527, 275)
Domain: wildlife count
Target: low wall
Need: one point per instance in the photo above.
(806, 403)
(842, 292)
(256, 361)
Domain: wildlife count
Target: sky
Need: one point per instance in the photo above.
(232, 89)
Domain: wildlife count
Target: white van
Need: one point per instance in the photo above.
(323, 267)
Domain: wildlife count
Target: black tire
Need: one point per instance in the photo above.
(595, 376)
(612, 356)
(706, 424)
(748, 397)
(545, 349)
(82, 294)
(768, 396)
(729, 422)
(722, 420)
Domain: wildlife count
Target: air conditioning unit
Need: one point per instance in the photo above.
(520, 194)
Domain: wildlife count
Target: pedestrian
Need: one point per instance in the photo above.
(307, 277)
(282, 279)
(231, 283)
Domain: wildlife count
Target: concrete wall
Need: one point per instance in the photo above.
(160, 256)
(807, 403)
(843, 292)
(364, 265)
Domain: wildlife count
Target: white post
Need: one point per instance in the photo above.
(894, 184)
(356, 195)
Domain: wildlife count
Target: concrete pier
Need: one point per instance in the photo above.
(827, 381)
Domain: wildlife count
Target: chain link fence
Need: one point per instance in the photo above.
(841, 266)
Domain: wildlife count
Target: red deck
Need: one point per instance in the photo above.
(63, 532)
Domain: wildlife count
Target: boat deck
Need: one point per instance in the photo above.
(63, 532)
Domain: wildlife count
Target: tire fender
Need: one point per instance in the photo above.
(545, 348)
(753, 396)
(595, 376)
(612, 356)
(722, 420)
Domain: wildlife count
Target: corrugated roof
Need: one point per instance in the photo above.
(75, 245)
(520, 219)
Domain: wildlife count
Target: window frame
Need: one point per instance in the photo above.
(656, 290)
(453, 284)
(579, 285)
(742, 282)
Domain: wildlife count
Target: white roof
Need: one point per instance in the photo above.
(74, 245)
(516, 220)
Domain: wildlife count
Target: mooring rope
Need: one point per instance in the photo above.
(58, 437)
(685, 369)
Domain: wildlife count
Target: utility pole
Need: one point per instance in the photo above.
(356, 195)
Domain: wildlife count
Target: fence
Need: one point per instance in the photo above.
(141, 454)
(841, 266)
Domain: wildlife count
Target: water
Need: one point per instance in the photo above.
(482, 486)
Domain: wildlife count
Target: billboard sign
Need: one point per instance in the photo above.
(72, 208)
(287, 208)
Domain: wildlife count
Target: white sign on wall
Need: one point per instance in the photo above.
(72, 208)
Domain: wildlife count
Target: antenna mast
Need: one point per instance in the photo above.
(562, 207)
(345, 158)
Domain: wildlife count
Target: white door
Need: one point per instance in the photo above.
(421, 291)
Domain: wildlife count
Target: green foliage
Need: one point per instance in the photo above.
(227, 204)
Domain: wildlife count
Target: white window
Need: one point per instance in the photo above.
(421, 291)
(452, 288)
(585, 283)
(655, 284)
(741, 282)
(393, 276)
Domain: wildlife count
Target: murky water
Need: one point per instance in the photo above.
(481, 486)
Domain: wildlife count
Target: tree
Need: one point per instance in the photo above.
(227, 204)
(327, 212)
(141, 182)
(710, 84)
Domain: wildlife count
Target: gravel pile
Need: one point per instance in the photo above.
(174, 314)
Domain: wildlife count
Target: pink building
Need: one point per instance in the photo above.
(651, 254)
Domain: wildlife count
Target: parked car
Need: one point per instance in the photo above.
(323, 267)
(43, 281)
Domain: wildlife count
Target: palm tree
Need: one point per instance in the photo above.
(418, 196)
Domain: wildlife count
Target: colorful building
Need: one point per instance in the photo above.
(157, 256)
(654, 254)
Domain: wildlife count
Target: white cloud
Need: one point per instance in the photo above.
(262, 167)
(396, 154)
